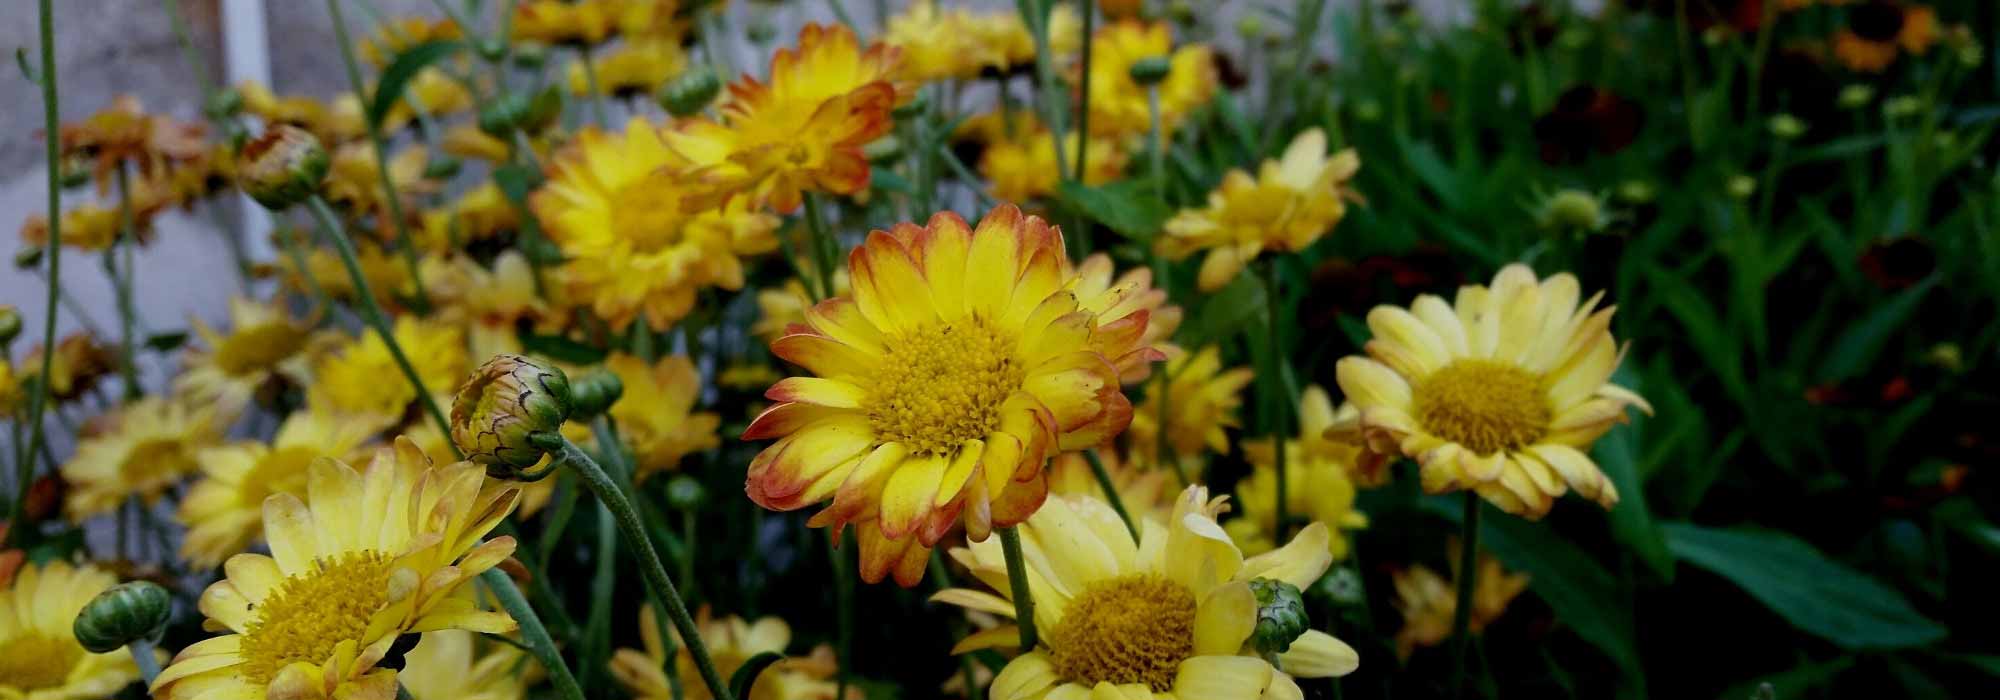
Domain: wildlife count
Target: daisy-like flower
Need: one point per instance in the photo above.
(786, 305)
(80, 363)
(731, 642)
(1501, 391)
(1167, 616)
(636, 68)
(451, 665)
(489, 303)
(939, 44)
(641, 232)
(224, 510)
(365, 558)
(264, 343)
(353, 181)
(40, 658)
(1877, 31)
(1141, 490)
(91, 228)
(1099, 293)
(656, 413)
(962, 362)
(1427, 601)
(1286, 207)
(1319, 482)
(480, 214)
(361, 379)
(1202, 399)
(143, 448)
(585, 23)
(1118, 104)
(1023, 166)
(125, 133)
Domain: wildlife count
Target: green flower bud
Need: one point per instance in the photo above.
(1787, 127)
(883, 151)
(530, 56)
(225, 103)
(28, 257)
(503, 115)
(10, 324)
(443, 168)
(594, 393)
(1572, 210)
(1250, 27)
(1902, 106)
(690, 92)
(543, 111)
(1741, 186)
(134, 611)
(1342, 586)
(1281, 616)
(491, 49)
(685, 493)
(1151, 70)
(282, 167)
(1636, 192)
(1856, 95)
(505, 414)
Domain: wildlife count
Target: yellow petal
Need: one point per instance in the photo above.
(1224, 620)
(1317, 654)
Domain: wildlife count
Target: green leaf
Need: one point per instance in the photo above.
(1129, 207)
(1239, 127)
(1223, 314)
(1632, 520)
(1841, 148)
(746, 675)
(1705, 331)
(1424, 161)
(1814, 593)
(516, 181)
(166, 342)
(1856, 349)
(402, 69)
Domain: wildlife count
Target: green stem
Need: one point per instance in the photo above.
(1046, 97)
(52, 124)
(843, 607)
(297, 251)
(533, 633)
(1110, 491)
(840, 13)
(1163, 449)
(1159, 144)
(1083, 96)
(1279, 402)
(823, 247)
(142, 654)
(655, 573)
(590, 84)
(1017, 578)
(121, 284)
(395, 204)
(372, 311)
(1461, 616)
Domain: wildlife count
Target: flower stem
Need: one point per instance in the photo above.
(533, 633)
(1045, 76)
(395, 204)
(24, 465)
(843, 611)
(1468, 572)
(143, 655)
(323, 305)
(1110, 491)
(823, 247)
(1017, 578)
(1159, 143)
(121, 285)
(1279, 403)
(330, 227)
(655, 573)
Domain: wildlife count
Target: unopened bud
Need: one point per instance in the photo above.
(1741, 186)
(1636, 192)
(28, 257)
(442, 168)
(1281, 616)
(1787, 127)
(1250, 27)
(690, 92)
(508, 411)
(10, 324)
(1855, 96)
(530, 56)
(135, 611)
(883, 151)
(685, 493)
(1151, 70)
(594, 393)
(1572, 210)
(503, 115)
(282, 167)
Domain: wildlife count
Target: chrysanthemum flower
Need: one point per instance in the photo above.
(1290, 204)
(786, 305)
(489, 303)
(1877, 31)
(125, 133)
(1427, 601)
(941, 44)
(638, 67)
(224, 510)
(80, 363)
(143, 449)
(40, 658)
(361, 380)
(354, 182)
(479, 214)
(640, 231)
(1023, 166)
(656, 414)
(1118, 105)
(1166, 616)
(451, 665)
(89, 227)
(399, 33)
(365, 558)
(587, 22)
(1116, 299)
(1501, 392)
(225, 370)
(1319, 482)
(960, 365)
(731, 642)
(1202, 399)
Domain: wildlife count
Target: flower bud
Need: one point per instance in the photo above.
(543, 111)
(282, 167)
(134, 611)
(1741, 186)
(1368, 110)
(530, 56)
(1250, 27)
(1856, 95)
(1787, 127)
(1151, 70)
(503, 115)
(10, 324)
(1281, 616)
(28, 257)
(1572, 210)
(443, 168)
(1342, 586)
(225, 103)
(505, 414)
(491, 49)
(685, 493)
(1636, 192)
(1182, 12)
(1903, 106)
(594, 393)
(690, 92)
(883, 151)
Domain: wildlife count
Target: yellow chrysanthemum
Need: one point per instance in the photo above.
(145, 448)
(1118, 104)
(1099, 293)
(489, 303)
(636, 68)
(960, 365)
(1166, 616)
(584, 22)
(383, 271)
(264, 343)
(656, 414)
(731, 642)
(400, 33)
(1427, 601)
(335, 122)
(786, 305)
(1141, 490)
(79, 364)
(86, 227)
(1290, 204)
(353, 181)
(361, 379)
(224, 510)
(1501, 392)
(1023, 166)
(1319, 482)
(363, 560)
(449, 665)
(467, 141)
(942, 44)
(481, 213)
(1202, 399)
(639, 228)
(40, 658)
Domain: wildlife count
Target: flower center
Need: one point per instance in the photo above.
(36, 661)
(155, 460)
(1484, 405)
(1130, 629)
(943, 384)
(258, 348)
(305, 617)
(647, 212)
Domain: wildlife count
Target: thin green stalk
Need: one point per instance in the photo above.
(121, 284)
(843, 607)
(372, 312)
(1159, 155)
(655, 573)
(1083, 94)
(297, 251)
(590, 83)
(533, 633)
(143, 656)
(823, 247)
(1110, 491)
(51, 124)
(840, 13)
(1279, 404)
(395, 204)
(1017, 579)
(1047, 97)
(1758, 57)
(958, 168)
(1468, 571)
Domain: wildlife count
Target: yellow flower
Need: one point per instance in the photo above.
(1143, 491)
(438, 95)
(656, 413)
(224, 512)
(354, 182)
(1118, 105)
(124, 133)
(467, 141)
(364, 559)
(1290, 204)
(145, 448)
(10, 389)
(489, 304)
(361, 380)
(448, 665)
(1428, 602)
(731, 642)
(1166, 619)
(1501, 392)
(1124, 298)
(959, 366)
(786, 305)
(40, 658)
(481, 213)
(80, 362)
(1202, 399)
(624, 210)
(638, 67)
(398, 34)
(747, 377)
(225, 371)
(584, 22)
(1023, 166)
(942, 44)
(1319, 484)
(335, 123)
(86, 227)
